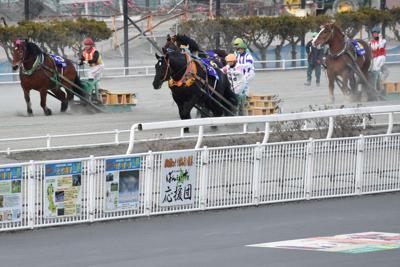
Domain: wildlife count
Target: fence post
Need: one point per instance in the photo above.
(309, 168)
(31, 194)
(91, 173)
(245, 127)
(359, 164)
(148, 183)
(116, 139)
(204, 177)
(330, 128)
(256, 174)
(48, 141)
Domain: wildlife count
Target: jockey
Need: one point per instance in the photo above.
(93, 59)
(245, 59)
(378, 48)
(236, 78)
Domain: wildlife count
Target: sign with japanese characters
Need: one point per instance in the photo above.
(62, 192)
(10, 194)
(178, 179)
(122, 183)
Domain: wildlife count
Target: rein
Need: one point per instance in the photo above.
(342, 51)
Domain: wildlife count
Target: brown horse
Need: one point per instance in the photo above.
(343, 61)
(40, 72)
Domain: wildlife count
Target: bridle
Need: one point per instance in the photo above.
(331, 34)
(21, 53)
(166, 70)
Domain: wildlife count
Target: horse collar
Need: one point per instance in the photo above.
(189, 77)
(38, 61)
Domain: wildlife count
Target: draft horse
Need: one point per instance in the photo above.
(39, 71)
(190, 84)
(344, 61)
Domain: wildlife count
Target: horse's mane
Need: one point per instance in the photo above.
(186, 40)
(334, 26)
(32, 49)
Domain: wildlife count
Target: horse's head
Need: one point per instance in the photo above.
(162, 71)
(170, 45)
(18, 53)
(325, 34)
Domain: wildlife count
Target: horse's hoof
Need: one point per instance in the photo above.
(47, 112)
(186, 130)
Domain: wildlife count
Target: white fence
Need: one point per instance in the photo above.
(388, 116)
(143, 71)
(224, 177)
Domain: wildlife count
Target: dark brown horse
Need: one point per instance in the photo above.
(40, 72)
(344, 62)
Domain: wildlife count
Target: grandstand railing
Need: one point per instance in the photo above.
(144, 71)
(222, 177)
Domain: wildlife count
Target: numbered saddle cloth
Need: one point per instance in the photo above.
(60, 61)
(210, 70)
(359, 48)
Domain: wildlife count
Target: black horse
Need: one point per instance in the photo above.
(173, 66)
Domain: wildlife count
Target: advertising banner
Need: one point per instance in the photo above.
(62, 189)
(178, 179)
(10, 194)
(122, 183)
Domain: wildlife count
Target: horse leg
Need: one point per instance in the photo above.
(28, 102)
(43, 97)
(60, 95)
(354, 85)
(331, 79)
(185, 110)
(345, 84)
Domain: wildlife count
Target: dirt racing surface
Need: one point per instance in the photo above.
(153, 105)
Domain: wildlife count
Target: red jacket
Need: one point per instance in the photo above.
(378, 48)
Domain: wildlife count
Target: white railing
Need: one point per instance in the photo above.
(143, 71)
(224, 177)
(266, 120)
(117, 137)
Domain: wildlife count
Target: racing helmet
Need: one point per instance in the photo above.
(230, 58)
(88, 41)
(239, 43)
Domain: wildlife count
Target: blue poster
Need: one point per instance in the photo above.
(63, 194)
(122, 183)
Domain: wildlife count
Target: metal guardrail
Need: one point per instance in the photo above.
(116, 137)
(144, 71)
(266, 120)
(222, 178)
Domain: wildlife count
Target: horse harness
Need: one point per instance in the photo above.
(188, 78)
(39, 63)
